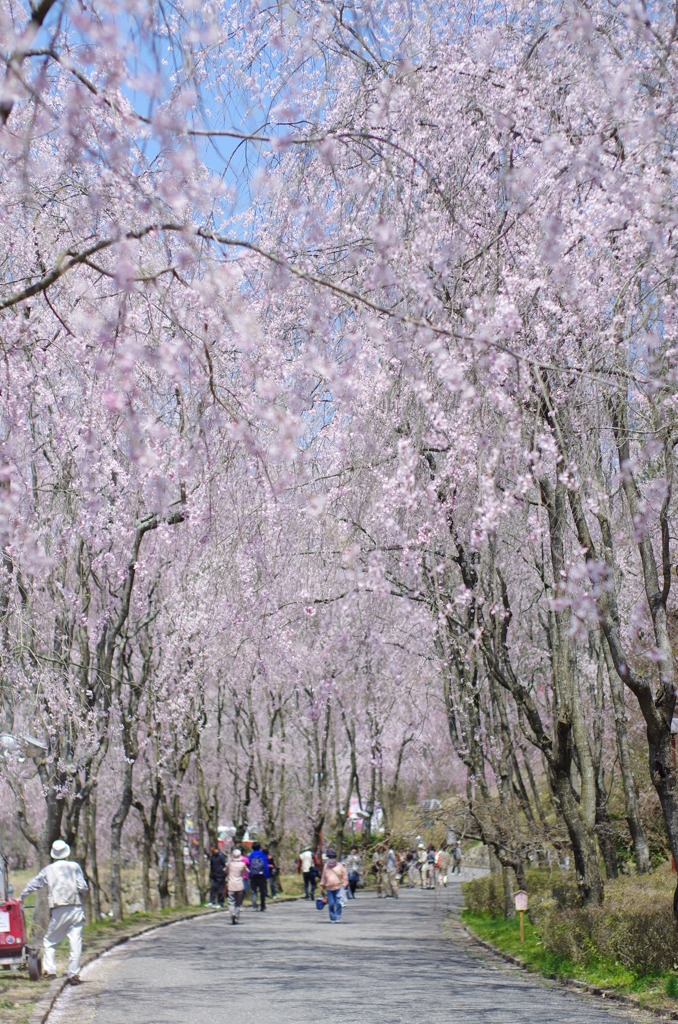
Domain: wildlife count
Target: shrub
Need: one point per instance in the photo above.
(634, 927)
(569, 934)
(671, 986)
(558, 889)
(485, 895)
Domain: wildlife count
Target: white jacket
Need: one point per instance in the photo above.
(306, 858)
(64, 880)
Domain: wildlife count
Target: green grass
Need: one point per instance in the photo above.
(598, 971)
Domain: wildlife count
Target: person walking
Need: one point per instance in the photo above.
(65, 882)
(333, 879)
(217, 877)
(422, 863)
(353, 865)
(259, 873)
(235, 883)
(456, 857)
(442, 867)
(411, 866)
(273, 875)
(379, 869)
(307, 865)
(391, 871)
(430, 867)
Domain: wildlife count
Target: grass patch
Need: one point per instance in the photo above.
(658, 990)
(505, 935)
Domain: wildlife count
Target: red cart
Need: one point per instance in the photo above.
(15, 953)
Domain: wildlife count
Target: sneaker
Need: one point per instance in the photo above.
(209, 904)
(49, 977)
(75, 980)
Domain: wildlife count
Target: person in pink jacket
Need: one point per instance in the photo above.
(236, 873)
(333, 879)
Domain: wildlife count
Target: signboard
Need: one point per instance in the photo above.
(4, 921)
(521, 906)
(521, 900)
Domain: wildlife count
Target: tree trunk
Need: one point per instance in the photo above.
(146, 853)
(605, 834)
(163, 873)
(641, 847)
(117, 825)
(508, 878)
(93, 862)
(203, 884)
(148, 844)
(583, 843)
(84, 858)
(177, 840)
(208, 808)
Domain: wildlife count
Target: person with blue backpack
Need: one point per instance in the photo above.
(259, 872)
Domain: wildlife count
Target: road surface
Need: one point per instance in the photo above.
(387, 962)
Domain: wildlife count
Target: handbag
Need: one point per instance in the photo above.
(319, 903)
(342, 897)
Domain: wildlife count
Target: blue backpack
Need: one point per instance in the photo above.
(257, 866)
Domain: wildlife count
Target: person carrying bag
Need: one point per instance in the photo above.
(334, 881)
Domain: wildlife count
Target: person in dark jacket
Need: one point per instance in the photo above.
(217, 877)
(259, 875)
(273, 875)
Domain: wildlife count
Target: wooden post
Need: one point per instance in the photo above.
(521, 906)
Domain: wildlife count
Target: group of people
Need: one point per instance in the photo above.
(422, 866)
(338, 879)
(308, 866)
(234, 875)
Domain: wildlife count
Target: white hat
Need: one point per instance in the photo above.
(236, 853)
(421, 846)
(60, 850)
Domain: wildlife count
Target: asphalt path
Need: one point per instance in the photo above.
(387, 962)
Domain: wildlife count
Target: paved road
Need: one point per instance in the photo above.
(387, 962)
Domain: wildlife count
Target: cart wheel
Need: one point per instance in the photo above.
(34, 965)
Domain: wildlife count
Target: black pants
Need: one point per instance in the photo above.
(310, 882)
(217, 891)
(258, 884)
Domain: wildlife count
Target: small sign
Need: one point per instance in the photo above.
(521, 900)
(4, 921)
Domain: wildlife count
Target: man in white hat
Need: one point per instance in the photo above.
(65, 881)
